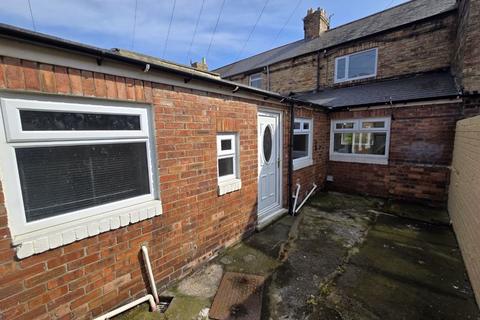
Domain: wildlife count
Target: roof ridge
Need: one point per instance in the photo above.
(257, 54)
(425, 9)
(374, 14)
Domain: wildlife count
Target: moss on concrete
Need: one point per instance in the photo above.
(332, 201)
(417, 212)
(244, 258)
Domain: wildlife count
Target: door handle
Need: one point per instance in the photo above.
(278, 163)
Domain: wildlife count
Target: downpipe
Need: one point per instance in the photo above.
(152, 299)
(148, 265)
(128, 306)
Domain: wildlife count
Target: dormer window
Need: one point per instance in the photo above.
(256, 80)
(359, 65)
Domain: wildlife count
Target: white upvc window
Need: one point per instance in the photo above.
(302, 143)
(356, 66)
(228, 163)
(73, 170)
(360, 140)
(256, 80)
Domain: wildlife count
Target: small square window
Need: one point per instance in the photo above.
(255, 80)
(226, 145)
(228, 163)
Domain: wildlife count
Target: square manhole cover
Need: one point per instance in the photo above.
(239, 297)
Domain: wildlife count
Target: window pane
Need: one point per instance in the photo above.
(370, 143)
(296, 125)
(306, 126)
(344, 125)
(46, 120)
(300, 146)
(256, 81)
(361, 64)
(373, 124)
(226, 144)
(267, 143)
(341, 68)
(225, 167)
(61, 179)
(343, 142)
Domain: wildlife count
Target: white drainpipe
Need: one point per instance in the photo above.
(152, 299)
(130, 305)
(306, 198)
(153, 286)
(296, 197)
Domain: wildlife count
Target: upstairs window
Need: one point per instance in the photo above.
(360, 140)
(356, 66)
(255, 80)
(302, 143)
(67, 163)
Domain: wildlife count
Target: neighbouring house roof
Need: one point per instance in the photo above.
(397, 16)
(424, 86)
(129, 57)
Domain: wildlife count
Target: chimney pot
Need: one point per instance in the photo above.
(202, 65)
(315, 23)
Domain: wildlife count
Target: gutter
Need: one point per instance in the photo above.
(101, 54)
(390, 103)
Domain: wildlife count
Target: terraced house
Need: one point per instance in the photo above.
(395, 84)
(104, 150)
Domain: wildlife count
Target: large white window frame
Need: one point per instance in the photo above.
(38, 234)
(256, 80)
(231, 182)
(305, 126)
(356, 126)
(346, 58)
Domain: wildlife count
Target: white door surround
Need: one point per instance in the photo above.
(270, 161)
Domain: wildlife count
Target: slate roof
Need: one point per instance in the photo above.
(397, 16)
(418, 87)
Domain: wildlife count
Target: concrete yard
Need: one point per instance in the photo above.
(344, 257)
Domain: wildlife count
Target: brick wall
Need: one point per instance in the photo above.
(91, 276)
(464, 195)
(421, 144)
(421, 47)
(317, 172)
(466, 56)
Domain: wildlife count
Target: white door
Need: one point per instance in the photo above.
(269, 162)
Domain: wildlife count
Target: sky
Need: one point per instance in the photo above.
(241, 30)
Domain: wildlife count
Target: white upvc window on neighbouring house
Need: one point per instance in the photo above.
(72, 170)
(302, 143)
(360, 140)
(255, 80)
(355, 66)
(228, 162)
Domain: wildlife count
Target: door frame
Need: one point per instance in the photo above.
(279, 207)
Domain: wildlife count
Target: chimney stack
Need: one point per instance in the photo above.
(202, 65)
(315, 23)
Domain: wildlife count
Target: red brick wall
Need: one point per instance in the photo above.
(317, 172)
(94, 275)
(421, 144)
